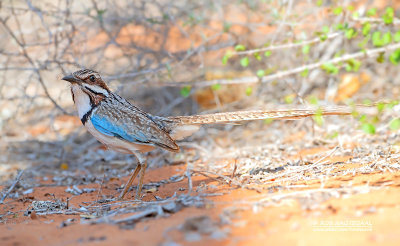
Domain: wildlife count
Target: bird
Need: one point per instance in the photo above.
(125, 128)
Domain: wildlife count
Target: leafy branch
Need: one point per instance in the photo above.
(324, 64)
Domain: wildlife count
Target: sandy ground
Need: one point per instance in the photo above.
(349, 209)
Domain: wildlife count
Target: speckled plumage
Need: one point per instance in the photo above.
(125, 128)
(135, 122)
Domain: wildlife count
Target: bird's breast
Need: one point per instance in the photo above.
(116, 143)
(82, 100)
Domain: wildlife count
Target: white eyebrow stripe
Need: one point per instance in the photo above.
(96, 89)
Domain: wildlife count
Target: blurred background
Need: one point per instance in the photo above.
(182, 58)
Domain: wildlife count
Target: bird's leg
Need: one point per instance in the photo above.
(140, 167)
(139, 187)
(129, 183)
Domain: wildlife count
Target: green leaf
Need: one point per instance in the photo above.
(185, 91)
(393, 103)
(289, 98)
(319, 120)
(244, 61)
(355, 113)
(227, 26)
(387, 38)
(355, 15)
(363, 118)
(381, 58)
(364, 42)
(350, 33)
(319, 3)
(323, 37)
(260, 73)
(267, 53)
(353, 65)
(257, 56)
(339, 53)
(368, 128)
(330, 68)
(367, 102)
(323, 34)
(337, 10)
(356, 65)
(306, 49)
(333, 135)
(339, 27)
(313, 100)
(394, 124)
(366, 28)
(249, 91)
(375, 119)
(381, 106)
(101, 11)
(395, 57)
(216, 87)
(100, 14)
(268, 121)
(226, 57)
(304, 73)
(240, 47)
(388, 16)
(371, 12)
(396, 37)
(376, 39)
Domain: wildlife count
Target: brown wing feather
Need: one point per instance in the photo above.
(136, 122)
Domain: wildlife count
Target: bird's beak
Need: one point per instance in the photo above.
(71, 78)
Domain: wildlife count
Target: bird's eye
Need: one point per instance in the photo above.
(92, 78)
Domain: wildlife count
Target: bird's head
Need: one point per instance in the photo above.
(88, 90)
(89, 81)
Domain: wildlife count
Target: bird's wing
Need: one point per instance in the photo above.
(123, 120)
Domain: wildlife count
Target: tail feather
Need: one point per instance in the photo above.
(287, 114)
(183, 126)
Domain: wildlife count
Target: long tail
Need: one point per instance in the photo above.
(184, 126)
(287, 114)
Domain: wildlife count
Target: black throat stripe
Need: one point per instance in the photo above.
(94, 92)
(86, 116)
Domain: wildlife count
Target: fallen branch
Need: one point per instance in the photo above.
(17, 179)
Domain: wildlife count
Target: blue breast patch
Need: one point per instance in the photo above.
(115, 129)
